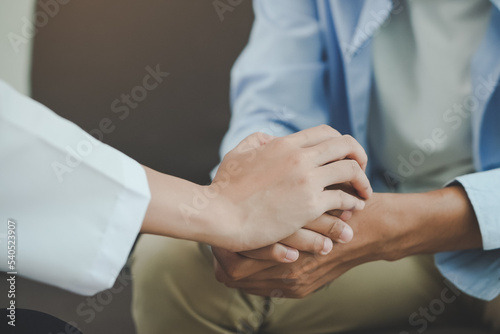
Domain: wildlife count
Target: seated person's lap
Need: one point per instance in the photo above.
(175, 291)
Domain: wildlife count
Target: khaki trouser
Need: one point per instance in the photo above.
(175, 292)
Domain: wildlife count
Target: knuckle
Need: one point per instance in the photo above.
(312, 206)
(346, 201)
(304, 279)
(349, 168)
(255, 135)
(250, 142)
(289, 282)
(303, 180)
(354, 145)
(233, 272)
(349, 141)
(364, 158)
(355, 168)
(326, 129)
(329, 130)
(293, 276)
(306, 181)
(231, 155)
(297, 274)
(341, 198)
(261, 137)
(283, 142)
(310, 265)
(298, 157)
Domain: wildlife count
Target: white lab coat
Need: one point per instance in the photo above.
(78, 204)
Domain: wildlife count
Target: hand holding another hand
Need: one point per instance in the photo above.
(374, 234)
(275, 186)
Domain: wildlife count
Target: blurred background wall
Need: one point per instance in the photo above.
(94, 51)
(88, 55)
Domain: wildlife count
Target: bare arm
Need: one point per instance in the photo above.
(392, 226)
(265, 190)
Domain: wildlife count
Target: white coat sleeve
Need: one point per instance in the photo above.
(78, 204)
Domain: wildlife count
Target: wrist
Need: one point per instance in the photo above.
(432, 222)
(396, 226)
(182, 209)
(219, 218)
(408, 217)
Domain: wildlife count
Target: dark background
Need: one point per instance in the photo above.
(93, 51)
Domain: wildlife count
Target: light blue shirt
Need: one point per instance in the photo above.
(309, 63)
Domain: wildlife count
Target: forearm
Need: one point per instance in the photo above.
(173, 211)
(392, 226)
(258, 184)
(432, 222)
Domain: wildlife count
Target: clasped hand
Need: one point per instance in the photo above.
(301, 205)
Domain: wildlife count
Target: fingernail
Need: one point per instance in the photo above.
(327, 246)
(362, 205)
(291, 255)
(346, 235)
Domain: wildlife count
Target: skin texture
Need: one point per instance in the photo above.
(287, 178)
(392, 226)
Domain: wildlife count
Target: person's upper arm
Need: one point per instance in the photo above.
(477, 272)
(78, 204)
(278, 82)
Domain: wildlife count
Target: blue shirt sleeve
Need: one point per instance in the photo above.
(277, 83)
(477, 272)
